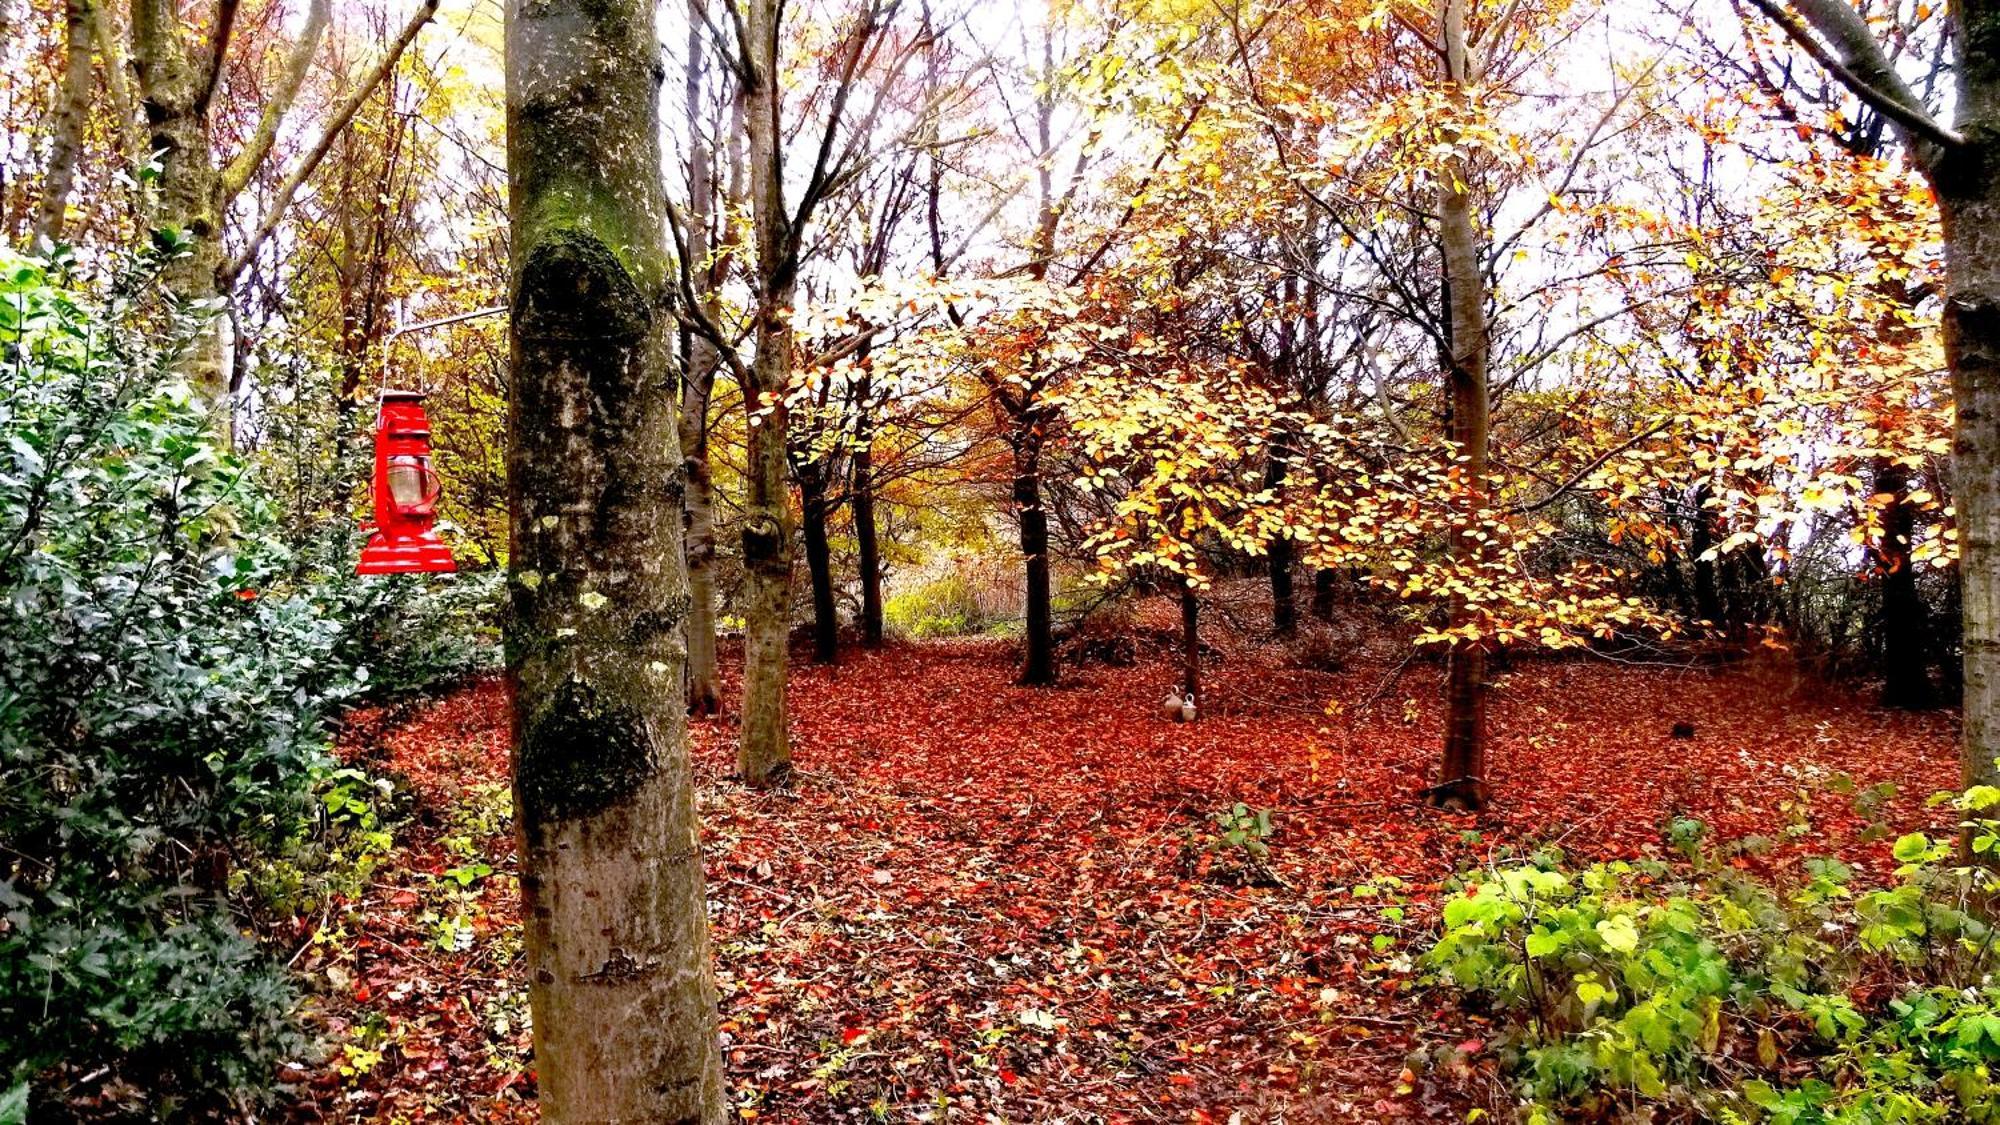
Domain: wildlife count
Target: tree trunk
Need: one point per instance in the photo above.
(1902, 628)
(72, 109)
(616, 930)
(1191, 646)
(172, 93)
(1701, 537)
(699, 364)
(1463, 784)
(869, 550)
(764, 752)
(861, 480)
(819, 564)
(1323, 588)
(1970, 203)
(1284, 602)
(1038, 666)
(704, 683)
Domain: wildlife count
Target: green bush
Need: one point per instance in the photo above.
(163, 690)
(408, 632)
(1694, 992)
(946, 606)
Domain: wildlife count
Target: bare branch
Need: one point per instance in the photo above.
(363, 90)
(238, 174)
(218, 53)
(1863, 69)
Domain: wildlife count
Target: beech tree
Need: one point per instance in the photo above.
(617, 934)
(1960, 161)
(1462, 780)
(709, 247)
(865, 63)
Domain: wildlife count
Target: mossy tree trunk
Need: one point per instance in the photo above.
(67, 118)
(176, 73)
(179, 64)
(617, 934)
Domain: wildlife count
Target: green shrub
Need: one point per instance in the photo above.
(947, 606)
(1692, 991)
(408, 632)
(163, 690)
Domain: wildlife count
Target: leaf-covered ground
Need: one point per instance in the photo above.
(983, 902)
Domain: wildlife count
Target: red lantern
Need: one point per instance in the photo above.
(406, 493)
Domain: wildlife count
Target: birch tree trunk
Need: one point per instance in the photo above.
(617, 934)
(1463, 781)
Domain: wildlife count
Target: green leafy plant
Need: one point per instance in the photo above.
(1701, 993)
(1242, 828)
(164, 685)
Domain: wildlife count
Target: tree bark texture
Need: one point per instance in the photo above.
(70, 113)
(173, 96)
(616, 929)
(1463, 780)
(1967, 180)
(764, 751)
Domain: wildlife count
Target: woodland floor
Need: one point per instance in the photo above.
(983, 902)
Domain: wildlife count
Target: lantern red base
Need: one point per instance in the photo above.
(425, 554)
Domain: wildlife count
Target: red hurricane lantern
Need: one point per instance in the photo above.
(406, 493)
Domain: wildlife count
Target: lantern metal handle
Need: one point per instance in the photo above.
(389, 341)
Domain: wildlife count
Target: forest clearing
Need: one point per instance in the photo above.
(1074, 561)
